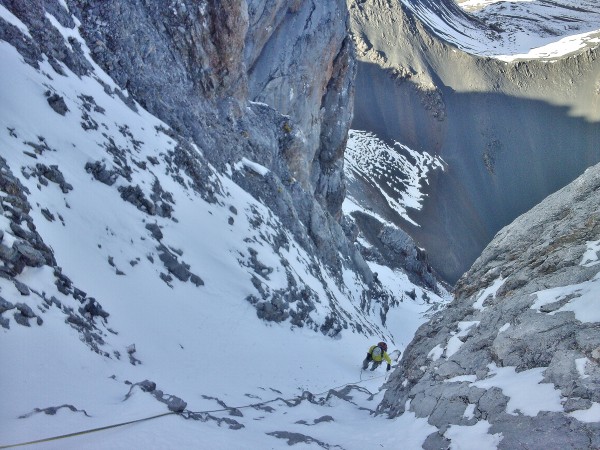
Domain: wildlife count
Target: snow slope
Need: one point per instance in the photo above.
(168, 271)
(515, 29)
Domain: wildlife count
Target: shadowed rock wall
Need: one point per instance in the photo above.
(511, 133)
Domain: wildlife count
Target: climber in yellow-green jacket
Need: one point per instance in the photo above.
(377, 353)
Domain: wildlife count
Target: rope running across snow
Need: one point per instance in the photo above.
(116, 425)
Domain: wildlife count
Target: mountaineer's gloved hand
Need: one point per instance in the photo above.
(388, 368)
(368, 357)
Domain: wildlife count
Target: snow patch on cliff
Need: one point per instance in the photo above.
(396, 172)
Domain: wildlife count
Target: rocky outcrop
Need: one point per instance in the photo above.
(22, 248)
(236, 87)
(301, 62)
(197, 66)
(501, 127)
(518, 349)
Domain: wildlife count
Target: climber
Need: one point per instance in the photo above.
(377, 353)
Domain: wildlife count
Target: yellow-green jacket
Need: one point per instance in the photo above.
(380, 357)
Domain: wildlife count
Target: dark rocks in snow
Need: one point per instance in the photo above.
(52, 173)
(298, 438)
(205, 417)
(162, 199)
(258, 267)
(175, 404)
(135, 196)
(78, 294)
(166, 278)
(159, 203)
(47, 215)
(196, 280)
(147, 385)
(18, 231)
(52, 410)
(25, 310)
(38, 149)
(53, 301)
(120, 157)
(100, 173)
(63, 283)
(131, 352)
(273, 311)
(323, 419)
(21, 319)
(179, 270)
(154, 230)
(57, 103)
(89, 104)
(93, 309)
(5, 305)
(22, 288)
(87, 123)
(24, 313)
(231, 410)
(30, 256)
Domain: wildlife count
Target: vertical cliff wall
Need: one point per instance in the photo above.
(511, 133)
(198, 65)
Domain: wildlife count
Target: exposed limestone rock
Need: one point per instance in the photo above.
(514, 314)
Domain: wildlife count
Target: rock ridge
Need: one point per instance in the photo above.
(524, 311)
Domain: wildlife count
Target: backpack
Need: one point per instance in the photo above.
(377, 352)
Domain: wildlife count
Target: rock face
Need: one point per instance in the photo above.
(301, 62)
(196, 66)
(239, 85)
(501, 127)
(517, 350)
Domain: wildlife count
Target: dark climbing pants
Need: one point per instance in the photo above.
(366, 362)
